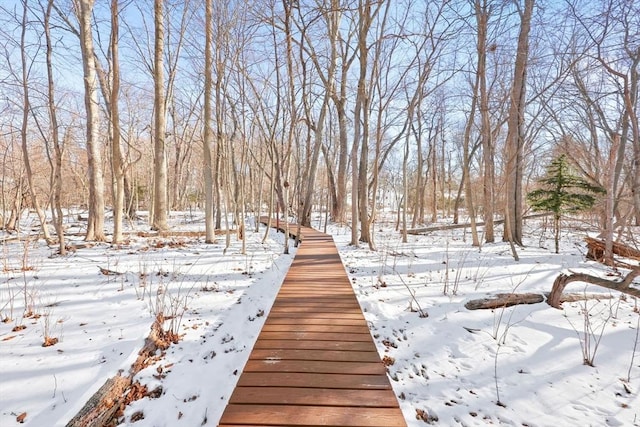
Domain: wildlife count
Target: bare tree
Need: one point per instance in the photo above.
(26, 110)
(367, 10)
(114, 120)
(293, 119)
(515, 132)
(95, 226)
(208, 137)
(160, 195)
(482, 12)
(605, 74)
(58, 148)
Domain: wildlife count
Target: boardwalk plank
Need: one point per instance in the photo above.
(279, 327)
(311, 415)
(314, 397)
(315, 345)
(315, 367)
(312, 380)
(329, 355)
(294, 320)
(306, 315)
(315, 310)
(315, 336)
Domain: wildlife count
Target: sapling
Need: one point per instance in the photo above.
(498, 315)
(6, 267)
(10, 303)
(479, 274)
(591, 334)
(47, 336)
(635, 348)
(421, 312)
(562, 191)
(48, 340)
(445, 287)
(460, 267)
(500, 336)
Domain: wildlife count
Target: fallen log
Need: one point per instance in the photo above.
(573, 297)
(508, 300)
(563, 280)
(117, 392)
(417, 231)
(103, 404)
(504, 300)
(596, 247)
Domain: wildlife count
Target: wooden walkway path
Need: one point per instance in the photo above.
(314, 362)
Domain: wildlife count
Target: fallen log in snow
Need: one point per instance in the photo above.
(117, 392)
(595, 250)
(417, 231)
(504, 300)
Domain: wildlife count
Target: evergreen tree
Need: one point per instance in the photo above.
(562, 191)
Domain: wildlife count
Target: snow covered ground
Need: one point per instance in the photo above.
(519, 366)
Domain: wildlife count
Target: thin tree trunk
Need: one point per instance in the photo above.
(26, 107)
(56, 196)
(116, 152)
(160, 196)
(405, 186)
(556, 229)
(482, 17)
(418, 210)
(610, 200)
(434, 175)
(339, 206)
(467, 178)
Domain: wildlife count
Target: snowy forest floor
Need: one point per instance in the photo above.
(519, 366)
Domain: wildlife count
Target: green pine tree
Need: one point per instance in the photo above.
(562, 191)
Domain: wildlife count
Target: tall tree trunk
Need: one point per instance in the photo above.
(434, 173)
(318, 133)
(339, 201)
(116, 152)
(56, 195)
(293, 120)
(482, 18)
(359, 193)
(26, 107)
(332, 19)
(160, 196)
(340, 101)
(95, 225)
(208, 132)
(515, 131)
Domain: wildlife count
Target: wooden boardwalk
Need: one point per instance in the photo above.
(314, 362)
